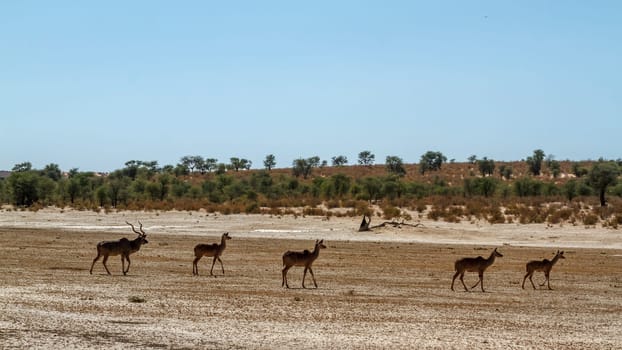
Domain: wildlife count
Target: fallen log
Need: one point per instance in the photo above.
(365, 224)
(396, 224)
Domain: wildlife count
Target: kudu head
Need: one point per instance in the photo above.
(496, 253)
(320, 244)
(141, 235)
(560, 254)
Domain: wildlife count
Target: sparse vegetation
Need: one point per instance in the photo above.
(469, 191)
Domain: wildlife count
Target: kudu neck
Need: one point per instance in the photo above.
(137, 242)
(316, 250)
(491, 259)
(555, 258)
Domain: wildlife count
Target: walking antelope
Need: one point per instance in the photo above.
(123, 247)
(478, 265)
(304, 258)
(542, 265)
(215, 250)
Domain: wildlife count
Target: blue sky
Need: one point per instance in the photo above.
(91, 85)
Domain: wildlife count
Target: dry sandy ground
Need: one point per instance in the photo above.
(383, 289)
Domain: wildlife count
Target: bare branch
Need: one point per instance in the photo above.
(366, 227)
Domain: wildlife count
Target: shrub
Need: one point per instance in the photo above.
(136, 299)
(526, 187)
(391, 212)
(252, 208)
(314, 212)
(590, 219)
(435, 214)
(496, 216)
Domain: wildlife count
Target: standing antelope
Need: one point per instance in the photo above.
(215, 250)
(478, 265)
(545, 266)
(304, 258)
(123, 247)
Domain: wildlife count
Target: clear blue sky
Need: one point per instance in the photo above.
(91, 85)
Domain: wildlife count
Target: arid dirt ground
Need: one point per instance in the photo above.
(384, 289)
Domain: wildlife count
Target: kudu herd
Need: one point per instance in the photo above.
(125, 247)
(480, 264)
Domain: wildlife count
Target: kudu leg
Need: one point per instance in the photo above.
(548, 282)
(127, 257)
(221, 266)
(480, 282)
(94, 260)
(304, 274)
(463, 284)
(531, 280)
(454, 279)
(212, 269)
(544, 282)
(528, 274)
(313, 276)
(195, 266)
(284, 273)
(104, 262)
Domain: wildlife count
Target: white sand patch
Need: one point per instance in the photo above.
(201, 223)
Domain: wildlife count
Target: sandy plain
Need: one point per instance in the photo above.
(389, 288)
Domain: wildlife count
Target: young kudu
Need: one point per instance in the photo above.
(478, 265)
(304, 258)
(215, 250)
(542, 265)
(123, 247)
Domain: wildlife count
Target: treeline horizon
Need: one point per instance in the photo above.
(246, 164)
(538, 189)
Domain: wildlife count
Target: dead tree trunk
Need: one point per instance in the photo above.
(365, 224)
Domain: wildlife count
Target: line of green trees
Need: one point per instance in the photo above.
(204, 183)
